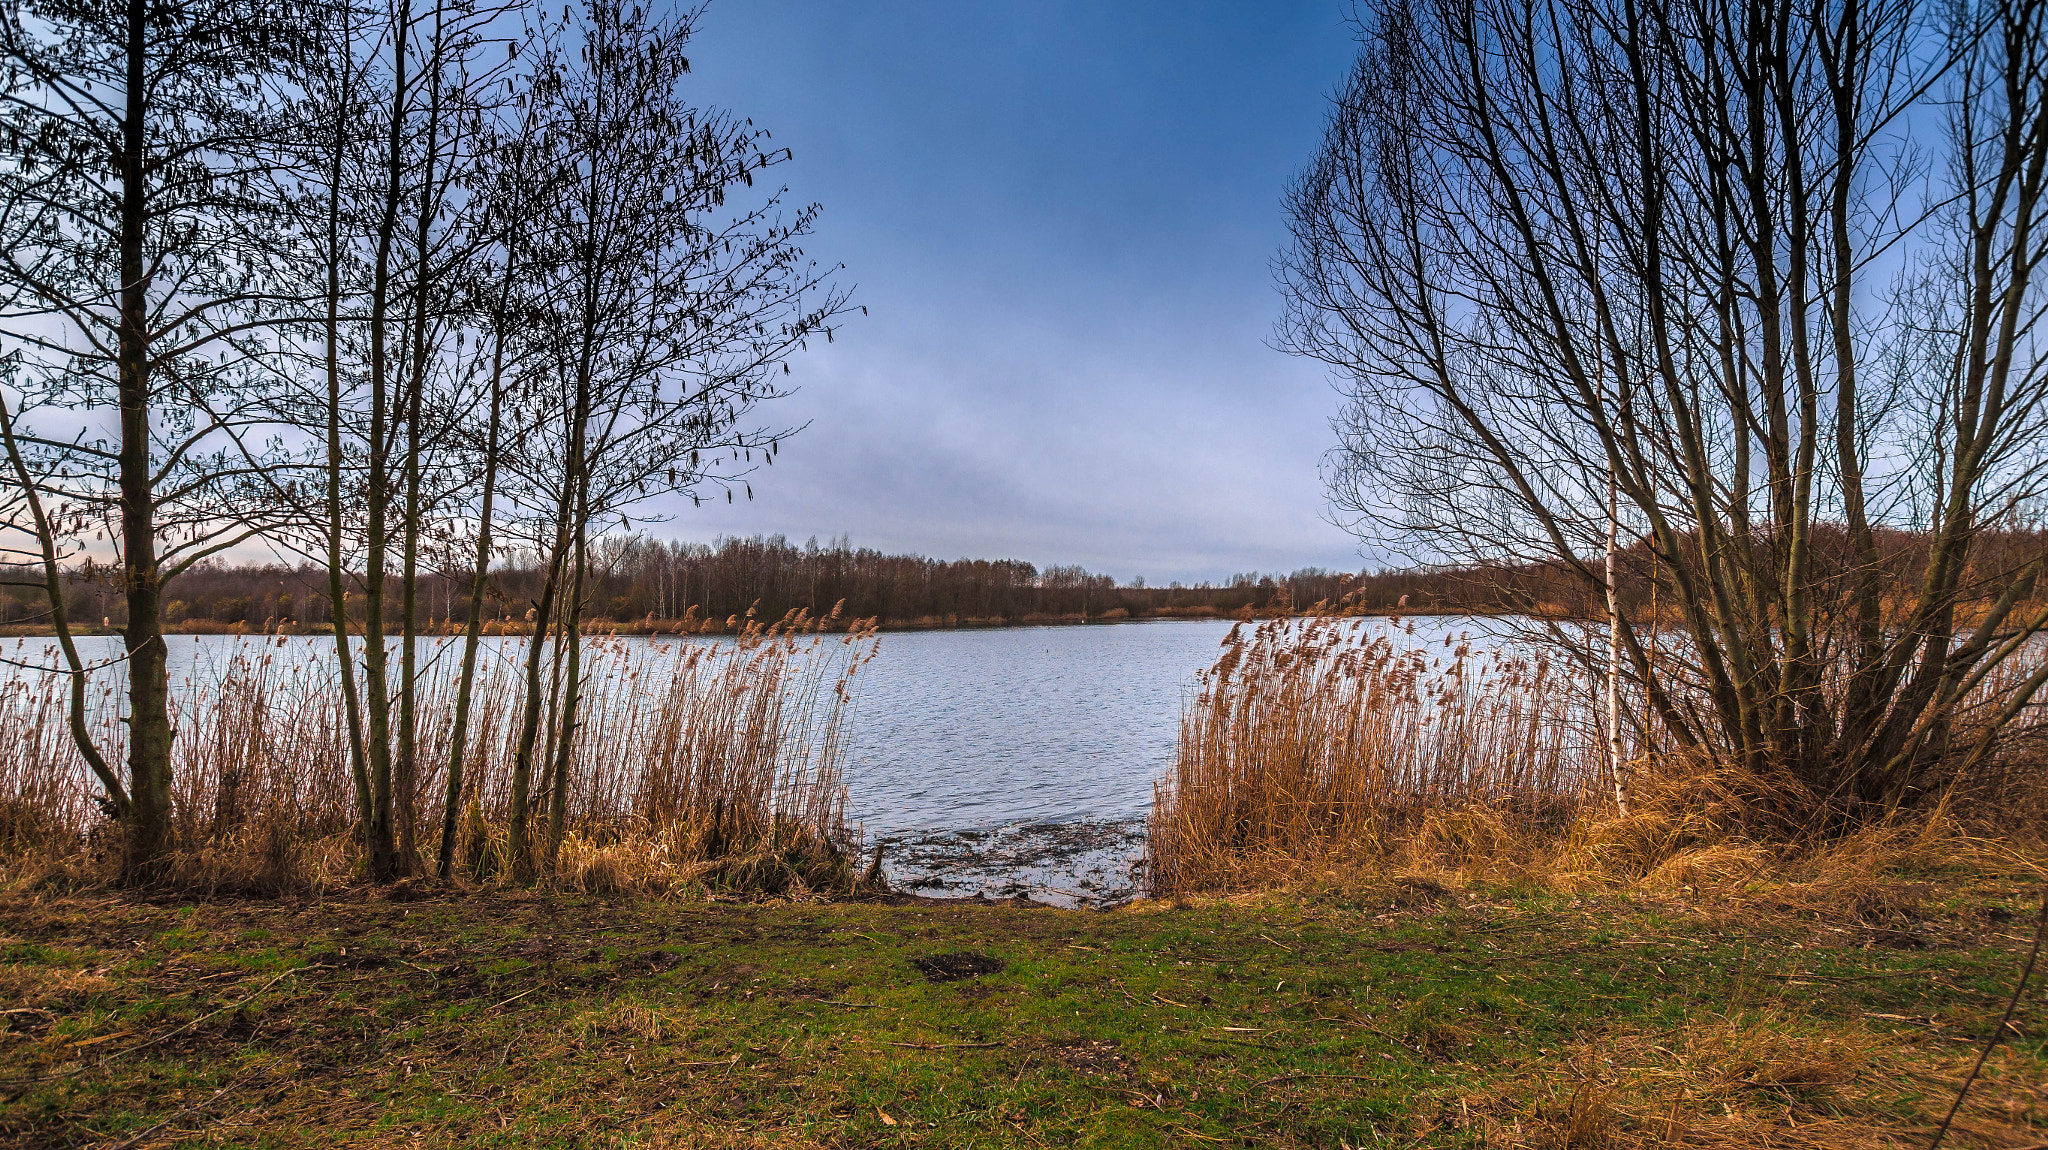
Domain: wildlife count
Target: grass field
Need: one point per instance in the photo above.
(1402, 1015)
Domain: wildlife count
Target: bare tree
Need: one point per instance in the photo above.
(669, 312)
(394, 118)
(1711, 250)
(137, 277)
(515, 187)
(319, 148)
(35, 540)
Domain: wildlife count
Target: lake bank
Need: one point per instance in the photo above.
(1407, 1014)
(651, 628)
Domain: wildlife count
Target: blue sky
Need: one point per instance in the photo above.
(1062, 219)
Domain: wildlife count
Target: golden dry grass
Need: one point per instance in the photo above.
(1311, 747)
(1758, 1077)
(712, 762)
(1314, 751)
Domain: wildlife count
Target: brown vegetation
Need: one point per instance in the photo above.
(1309, 751)
(705, 762)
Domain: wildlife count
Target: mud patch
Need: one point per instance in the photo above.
(1092, 1058)
(1091, 864)
(956, 966)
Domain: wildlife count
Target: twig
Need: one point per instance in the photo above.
(1239, 1042)
(200, 1105)
(944, 1045)
(515, 998)
(1292, 1077)
(1830, 977)
(1997, 1032)
(202, 1018)
(855, 1005)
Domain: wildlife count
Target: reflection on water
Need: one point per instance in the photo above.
(1002, 761)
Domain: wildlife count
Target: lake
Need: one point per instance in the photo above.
(1004, 761)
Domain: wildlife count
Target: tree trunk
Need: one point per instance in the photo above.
(337, 585)
(572, 690)
(149, 718)
(1614, 768)
(383, 848)
(530, 712)
(405, 766)
(53, 586)
(407, 769)
(473, 626)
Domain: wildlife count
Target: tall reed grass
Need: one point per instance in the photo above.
(695, 761)
(1314, 745)
(1309, 741)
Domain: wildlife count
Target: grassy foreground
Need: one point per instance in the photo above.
(1404, 1015)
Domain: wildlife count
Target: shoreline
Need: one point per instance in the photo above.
(674, 627)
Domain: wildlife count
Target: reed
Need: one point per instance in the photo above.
(1308, 745)
(697, 762)
(1311, 749)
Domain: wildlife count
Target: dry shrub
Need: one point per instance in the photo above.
(788, 862)
(265, 855)
(1312, 751)
(47, 818)
(708, 762)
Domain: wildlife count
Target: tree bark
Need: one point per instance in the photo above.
(479, 580)
(530, 711)
(572, 692)
(384, 862)
(149, 719)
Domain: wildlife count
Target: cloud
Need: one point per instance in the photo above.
(1061, 218)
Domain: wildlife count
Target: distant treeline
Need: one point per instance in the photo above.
(638, 582)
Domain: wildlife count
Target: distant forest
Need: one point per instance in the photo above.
(640, 583)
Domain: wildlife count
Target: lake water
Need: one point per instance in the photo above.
(1004, 761)
(1021, 761)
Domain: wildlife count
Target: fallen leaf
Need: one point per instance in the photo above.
(886, 1120)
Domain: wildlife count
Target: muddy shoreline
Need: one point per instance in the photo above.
(1082, 863)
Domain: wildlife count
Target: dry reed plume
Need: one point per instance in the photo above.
(1311, 748)
(712, 762)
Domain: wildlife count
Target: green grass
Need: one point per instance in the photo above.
(1401, 1017)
